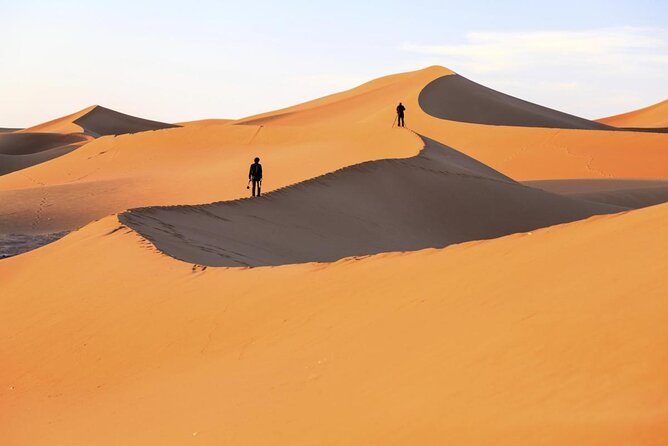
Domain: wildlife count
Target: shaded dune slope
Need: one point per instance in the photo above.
(458, 99)
(436, 198)
(629, 193)
(30, 143)
(21, 150)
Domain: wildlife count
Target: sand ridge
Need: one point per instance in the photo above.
(434, 199)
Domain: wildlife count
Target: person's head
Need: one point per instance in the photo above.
(399, 103)
(257, 160)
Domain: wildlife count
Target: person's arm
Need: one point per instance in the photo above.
(250, 172)
(259, 170)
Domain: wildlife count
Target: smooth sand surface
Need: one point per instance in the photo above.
(654, 116)
(554, 337)
(434, 199)
(468, 101)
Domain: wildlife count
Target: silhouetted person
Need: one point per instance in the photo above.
(400, 114)
(255, 175)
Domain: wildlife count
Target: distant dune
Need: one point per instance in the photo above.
(654, 116)
(22, 148)
(99, 121)
(434, 199)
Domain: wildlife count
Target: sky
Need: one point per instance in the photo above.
(177, 61)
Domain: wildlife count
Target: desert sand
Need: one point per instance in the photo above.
(208, 160)
(434, 199)
(493, 274)
(654, 116)
(479, 343)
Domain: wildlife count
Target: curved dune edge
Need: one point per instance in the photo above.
(437, 198)
(352, 351)
(652, 117)
(458, 99)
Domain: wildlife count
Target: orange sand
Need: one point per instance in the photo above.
(552, 337)
(654, 116)
(207, 160)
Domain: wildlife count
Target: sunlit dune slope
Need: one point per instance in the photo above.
(434, 199)
(523, 151)
(554, 337)
(654, 116)
(181, 165)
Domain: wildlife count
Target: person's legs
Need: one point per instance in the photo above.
(259, 186)
(254, 183)
(401, 120)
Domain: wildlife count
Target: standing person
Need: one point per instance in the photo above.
(255, 175)
(400, 114)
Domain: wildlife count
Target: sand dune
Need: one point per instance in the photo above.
(11, 163)
(654, 116)
(208, 160)
(8, 130)
(552, 338)
(458, 99)
(31, 143)
(436, 198)
(98, 121)
(23, 148)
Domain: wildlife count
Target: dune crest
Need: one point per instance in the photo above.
(436, 198)
(98, 121)
(655, 116)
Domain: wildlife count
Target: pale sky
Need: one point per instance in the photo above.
(177, 61)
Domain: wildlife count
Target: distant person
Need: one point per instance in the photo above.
(255, 175)
(400, 114)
